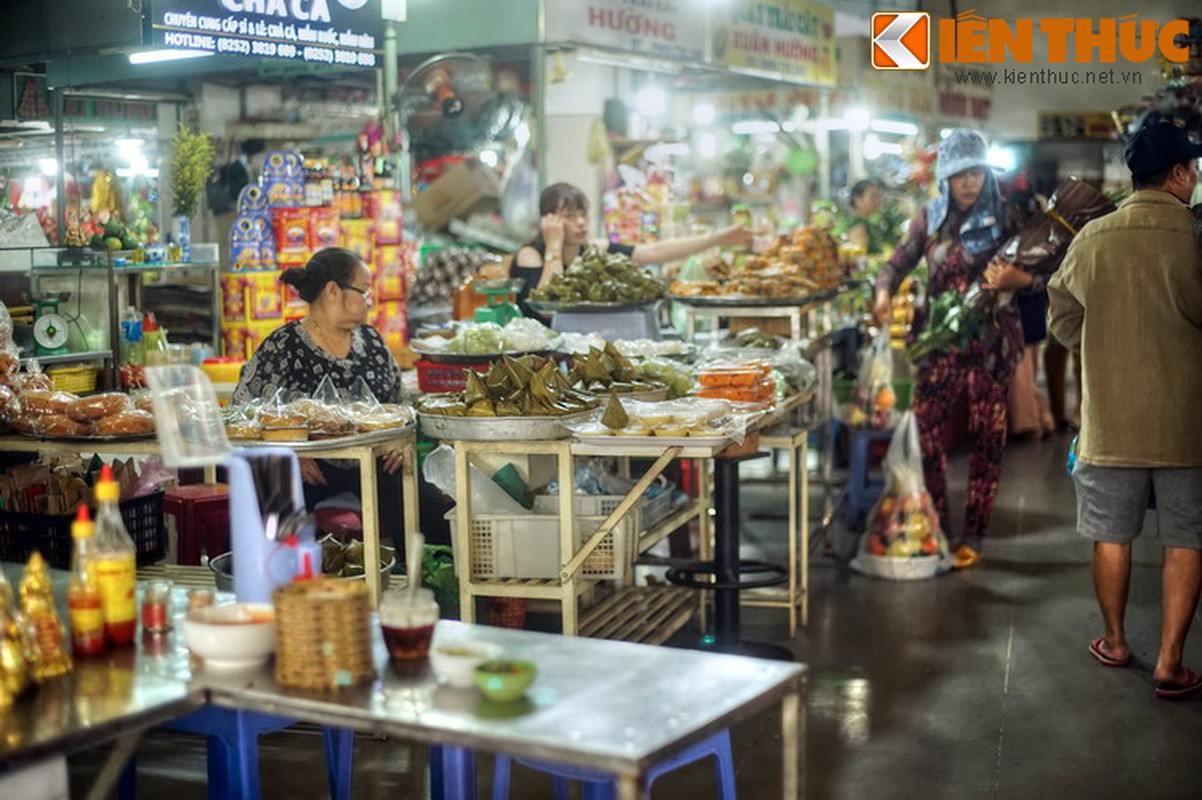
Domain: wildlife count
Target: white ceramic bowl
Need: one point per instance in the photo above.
(234, 636)
(454, 663)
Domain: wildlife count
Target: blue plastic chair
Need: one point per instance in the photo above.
(233, 752)
(862, 487)
(603, 786)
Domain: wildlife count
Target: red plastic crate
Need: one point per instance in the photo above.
(432, 377)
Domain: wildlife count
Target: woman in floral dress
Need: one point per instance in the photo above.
(957, 233)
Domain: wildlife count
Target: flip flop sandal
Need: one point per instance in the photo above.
(1171, 690)
(1095, 650)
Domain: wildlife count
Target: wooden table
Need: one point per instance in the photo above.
(364, 452)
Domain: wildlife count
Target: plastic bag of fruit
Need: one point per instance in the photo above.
(903, 540)
(873, 400)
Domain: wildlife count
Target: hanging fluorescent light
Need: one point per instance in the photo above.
(874, 148)
(652, 101)
(894, 126)
(857, 119)
(753, 127)
(707, 145)
(704, 113)
(47, 166)
(159, 56)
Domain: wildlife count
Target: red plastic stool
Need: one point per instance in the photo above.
(202, 517)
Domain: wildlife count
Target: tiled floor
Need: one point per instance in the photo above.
(971, 685)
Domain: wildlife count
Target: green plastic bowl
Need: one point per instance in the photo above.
(504, 680)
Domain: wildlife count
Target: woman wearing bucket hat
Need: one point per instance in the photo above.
(958, 232)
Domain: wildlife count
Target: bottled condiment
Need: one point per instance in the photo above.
(115, 563)
(84, 606)
(154, 341)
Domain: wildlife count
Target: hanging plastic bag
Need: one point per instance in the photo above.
(903, 540)
(873, 400)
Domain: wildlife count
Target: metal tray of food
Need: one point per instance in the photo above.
(476, 358)
(591, 308)
(353, 440)
(498, 429)
(125, 437)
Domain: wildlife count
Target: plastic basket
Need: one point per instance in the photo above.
(918, 568)
(21, 534)
(76, 380)
(432, 377)
(527, 546)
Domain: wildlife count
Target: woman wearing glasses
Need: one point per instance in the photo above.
(335, 341)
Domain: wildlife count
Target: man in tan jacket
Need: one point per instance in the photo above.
(1130, 294)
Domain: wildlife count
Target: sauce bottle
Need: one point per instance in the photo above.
(115, 563)
(84, 606)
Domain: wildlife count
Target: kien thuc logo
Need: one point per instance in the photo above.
(901, 40)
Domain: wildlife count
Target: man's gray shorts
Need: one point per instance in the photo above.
(1112, 503)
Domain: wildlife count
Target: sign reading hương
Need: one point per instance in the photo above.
(794, 39)
(343, 33)
(672, 29)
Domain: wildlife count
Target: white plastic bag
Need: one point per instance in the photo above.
(903, 540)
(487, 496)
(873, 400)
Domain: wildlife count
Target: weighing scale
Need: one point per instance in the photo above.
(50, 329)
(499, 309)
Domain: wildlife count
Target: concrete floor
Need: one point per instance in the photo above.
(975, 684)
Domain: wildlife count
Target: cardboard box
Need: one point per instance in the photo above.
(462, 189)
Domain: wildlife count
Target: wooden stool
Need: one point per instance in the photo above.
(202, 516)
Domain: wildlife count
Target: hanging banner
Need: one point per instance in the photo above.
(346, 33)
(793, 39)
(662, 28)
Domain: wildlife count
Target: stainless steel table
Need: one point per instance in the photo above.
(611, 706)
(116, 696)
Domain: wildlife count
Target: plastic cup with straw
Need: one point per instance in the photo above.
(407, 616)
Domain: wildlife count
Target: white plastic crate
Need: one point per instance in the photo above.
(527, 546)
(645, 513)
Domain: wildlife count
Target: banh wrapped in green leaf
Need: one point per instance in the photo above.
(596, 277)
(476, 389)
(615, 416)
(527, 386)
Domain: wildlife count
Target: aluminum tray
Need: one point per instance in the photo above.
(497, 429)
(590, 308)
(354, 440)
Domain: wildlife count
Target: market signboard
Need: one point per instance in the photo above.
(344, 33)
(792, 39)
(670, 29)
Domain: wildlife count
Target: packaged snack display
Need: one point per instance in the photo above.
(903, 540)
(741, 382)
